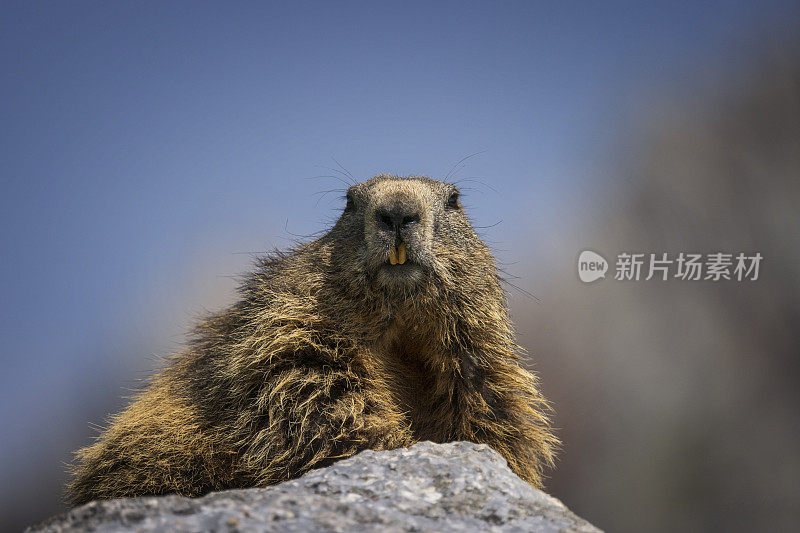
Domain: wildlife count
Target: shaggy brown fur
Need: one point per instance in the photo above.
(333, 350)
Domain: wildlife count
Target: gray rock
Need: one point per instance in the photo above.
(428, 487)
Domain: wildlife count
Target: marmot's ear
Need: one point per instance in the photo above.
(453, 201)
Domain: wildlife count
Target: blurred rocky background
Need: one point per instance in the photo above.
(150, 149)
(684, 396)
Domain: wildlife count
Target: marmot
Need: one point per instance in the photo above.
(389, 329)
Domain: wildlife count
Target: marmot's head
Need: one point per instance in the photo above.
(407, 232)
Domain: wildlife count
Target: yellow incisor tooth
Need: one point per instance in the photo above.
(393, 256)
(401, 253)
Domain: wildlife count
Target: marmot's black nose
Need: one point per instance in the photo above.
(396, 217)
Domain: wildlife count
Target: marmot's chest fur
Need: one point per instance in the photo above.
(422, 392)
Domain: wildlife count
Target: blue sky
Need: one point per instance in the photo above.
(146, 145)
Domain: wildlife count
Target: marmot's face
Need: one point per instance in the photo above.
(412, 229)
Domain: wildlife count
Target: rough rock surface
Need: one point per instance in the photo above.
(428, 487)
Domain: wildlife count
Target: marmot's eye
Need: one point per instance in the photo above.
(350, 203)
(452, 201)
